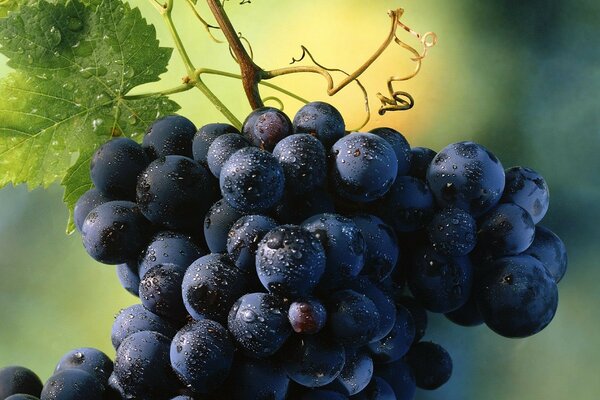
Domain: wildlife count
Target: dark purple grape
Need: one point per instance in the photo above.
(175, 192)
(72, 384)
(528, 189)
(321, 120)
(294, 209)
(307, 316)
(86, 203)
(431, 364)
(344, 245)
(204, 138)
(211, 285)
(136, 319)
(320, 394)
(517, 297)
(266, 126)
(160, 291)
(129, 277)
(313, 361)
(217, 223)
(20, 396)
(221, 149)
(116, 166)
(87, 359)
(356, 374)
(441, 284)
(304, 162)
(257, 379)
(396, 343)
(383, 302)
(169, 247)
(400, 146)
(290, 261)
(201, 355)
(408, 205)
(550, 250)
(452, 232)
(467, 315)
(259, 324)
(353, 319)
(15, 379)
(381, 244)
(420, 158)
(506, 230)
(142, 366)
(466, 175)
(417, 312)
(170, 135)
(364, 167)
(114, 232)
(243, 239)
(400, 377)
(252, 180)
(377, 389)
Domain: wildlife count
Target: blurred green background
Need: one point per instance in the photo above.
(521, 77)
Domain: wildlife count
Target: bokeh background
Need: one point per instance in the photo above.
(521, 77)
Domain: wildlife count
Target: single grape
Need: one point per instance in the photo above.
(142, 366)
(129, 277)
(294, 209)
(160, 291)
(257, 379)
(266, 126)
(115, 167)
(377, 389)
(382, 246)
(170, 135)
(307, 316)
(506, 230)
(417, 312)
(320, 120)
(217, 223)
(550, 250)
(384, 304)
(313, 361)
(72, 384)
(135, 319)
(211, 285)
(252, 180)
(344, 245)
(86, 203)
(243, 239)
(420, 158)
(441, 284)
(396, 343)
(15, 379)
(169, 247)
(400, 377)
(431, 364)
(528, 189)
(258, 322)
(517, 297)
(201, 355)
(304, 162)
(290, 261)
(364, 167)
(408, 205)
(353, 318)
(204, 138)
(466, 315)
(452, 232)
(221, 149)
(400, 146)
(466, 175)
(356, 374)
(175, 192)
(87, 359)
(114, 232)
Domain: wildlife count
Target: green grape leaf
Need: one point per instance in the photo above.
(74, 65)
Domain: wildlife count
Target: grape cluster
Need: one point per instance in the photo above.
(293, 260)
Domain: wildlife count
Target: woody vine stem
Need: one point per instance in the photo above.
(253, 75)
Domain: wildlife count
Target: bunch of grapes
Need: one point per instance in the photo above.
(295, 260)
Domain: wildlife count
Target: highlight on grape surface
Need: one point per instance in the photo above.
(282, 257)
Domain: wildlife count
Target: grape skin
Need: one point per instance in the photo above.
(170, 135)
(204, 138)
(15, 379)
(320, 120)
